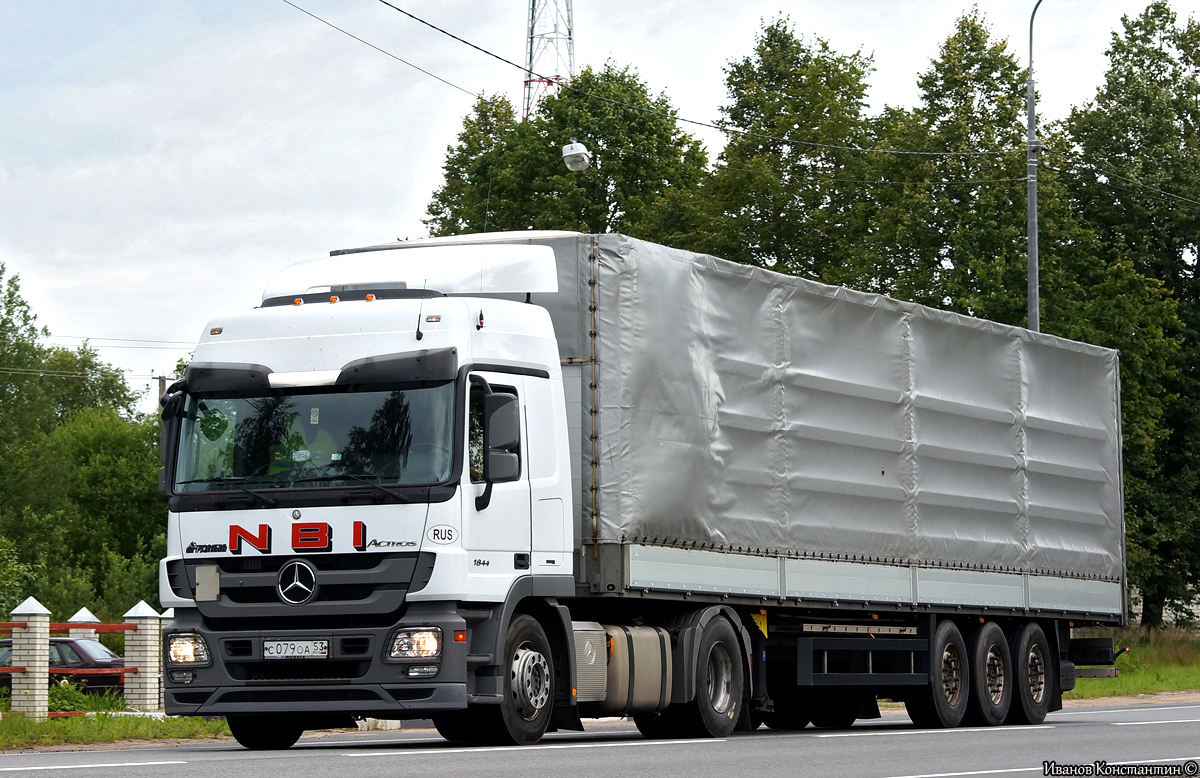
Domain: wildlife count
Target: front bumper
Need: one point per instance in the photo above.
(355, 679)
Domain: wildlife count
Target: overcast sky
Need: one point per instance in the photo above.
(159, 161)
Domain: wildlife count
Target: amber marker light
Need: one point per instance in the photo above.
(460, 636)
(216, 330)
(370, 297)
(297, 301)
(333, 299)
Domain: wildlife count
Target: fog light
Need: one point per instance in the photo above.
(182, 676)
(187, 650)
(416, 643)
(422, 671)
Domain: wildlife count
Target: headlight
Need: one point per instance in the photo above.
(416, 643)
(187, 650)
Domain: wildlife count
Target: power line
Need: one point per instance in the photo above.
(152, 348)
(128, 340)
(381, 51)
(709, 125)
(1186, 202)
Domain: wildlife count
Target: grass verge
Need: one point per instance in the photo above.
(1165, 660)
(18, 732)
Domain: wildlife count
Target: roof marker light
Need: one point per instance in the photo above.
(370, 297)
(333, 299)
(298, 301)
(432, 319)
(216, 330)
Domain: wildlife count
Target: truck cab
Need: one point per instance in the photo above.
(361, 473)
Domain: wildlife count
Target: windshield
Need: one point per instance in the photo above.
(401, 436)
(96, 650)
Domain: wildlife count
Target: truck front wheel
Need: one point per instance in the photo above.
(265, 733)
(528, 699)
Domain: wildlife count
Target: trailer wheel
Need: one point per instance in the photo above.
(1035, 676)
(719, 683)
(991, 677)
(265, 733)
(943, 703)
(459, 726)
(527, 703)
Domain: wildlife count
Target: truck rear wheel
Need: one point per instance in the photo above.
(265, 733)
(719, 683)
(1035, 679)
(527, 702)
(991, 677)
(943, 703)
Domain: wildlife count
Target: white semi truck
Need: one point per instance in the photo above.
(514, 481)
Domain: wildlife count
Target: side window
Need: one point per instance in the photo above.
(475, 429)
(70, 656)
(53, 653)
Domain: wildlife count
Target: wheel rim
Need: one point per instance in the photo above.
(951, 674)
(720, 678)
(1037, 674)
(995, 675)
(529, 679)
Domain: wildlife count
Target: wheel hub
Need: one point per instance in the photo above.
(951, 674)
(720, 678)
(1037, 674)
(530, 681)
(995, 675)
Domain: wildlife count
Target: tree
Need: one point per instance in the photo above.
(779, 203)
(1142, 129)
(509, 175)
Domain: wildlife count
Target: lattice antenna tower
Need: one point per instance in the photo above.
(550, 50)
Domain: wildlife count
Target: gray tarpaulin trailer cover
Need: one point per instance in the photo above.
(797, 439)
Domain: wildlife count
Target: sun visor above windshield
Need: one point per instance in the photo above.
(220, 377)
(425, 365)
(453, 269)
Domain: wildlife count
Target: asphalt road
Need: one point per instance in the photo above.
(1162, 734)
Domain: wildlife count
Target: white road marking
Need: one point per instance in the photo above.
(1038, 769)
(878, 733)
(524, 749)
(1141, 723)
(83, 766)
(1122, 710)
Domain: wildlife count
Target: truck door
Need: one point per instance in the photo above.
(497, 536)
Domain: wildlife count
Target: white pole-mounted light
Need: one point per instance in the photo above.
(576, 156)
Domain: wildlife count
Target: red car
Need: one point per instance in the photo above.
(73, 654)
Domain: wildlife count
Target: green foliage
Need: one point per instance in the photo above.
(20, 732)
(81, 520)
(1159, 660)
(66, 696)
(509, 175)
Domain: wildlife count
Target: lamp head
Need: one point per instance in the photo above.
(576, 156)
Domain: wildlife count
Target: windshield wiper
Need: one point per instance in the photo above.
(271, 501)
(349, 476)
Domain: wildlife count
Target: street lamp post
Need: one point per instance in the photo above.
(1031, 165)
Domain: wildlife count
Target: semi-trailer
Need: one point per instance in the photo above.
(515, 481)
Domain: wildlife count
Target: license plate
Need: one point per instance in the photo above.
(295, 649)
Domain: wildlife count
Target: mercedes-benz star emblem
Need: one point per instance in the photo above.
(297, 582)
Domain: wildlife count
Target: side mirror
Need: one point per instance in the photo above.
(501, 435)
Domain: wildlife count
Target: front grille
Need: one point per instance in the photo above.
(271, 564)
(356, 645)
(252, 594)
(300, 670)
(300, 695)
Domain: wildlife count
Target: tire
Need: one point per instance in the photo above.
(786, 720)
(991, 677)
(660, 725)
(460, 726)
(835, 712)
(1034, 672)
(719, 683)
(265, 733)
(943, 703)
(527, 704)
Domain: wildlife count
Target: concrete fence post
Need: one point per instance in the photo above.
(31, 650)
(83, 632)
(142, 651)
